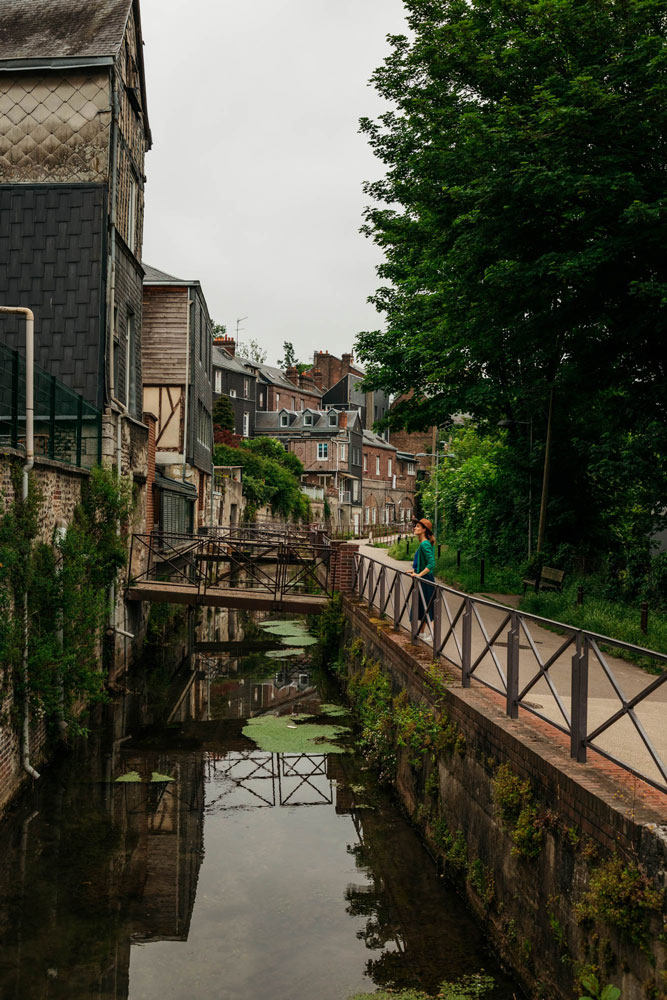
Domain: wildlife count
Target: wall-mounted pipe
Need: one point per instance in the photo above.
(27, 466)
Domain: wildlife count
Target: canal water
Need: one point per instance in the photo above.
(170, 857)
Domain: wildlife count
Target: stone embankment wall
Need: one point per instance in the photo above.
(564, 864)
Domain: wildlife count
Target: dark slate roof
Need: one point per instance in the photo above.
(375, 441)
(153, 276)
(223, 359)
(274, 376)
(55, 29)
(270, 420)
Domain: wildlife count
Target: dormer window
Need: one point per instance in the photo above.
(284, 419)
(308, 420)
(333, 419)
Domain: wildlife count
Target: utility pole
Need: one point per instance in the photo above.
(545, 477)
(238, 326)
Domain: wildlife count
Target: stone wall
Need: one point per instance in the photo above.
(60, 486)
(585, 822)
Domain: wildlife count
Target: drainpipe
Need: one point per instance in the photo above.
(28, 464)
(187, 383)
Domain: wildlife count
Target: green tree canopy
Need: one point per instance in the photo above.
(522, 217)
(252, 350)
(223, 414)
(271, 476)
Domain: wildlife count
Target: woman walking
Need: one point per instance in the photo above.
(423, 566)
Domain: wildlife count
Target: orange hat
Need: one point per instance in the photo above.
(425, 523)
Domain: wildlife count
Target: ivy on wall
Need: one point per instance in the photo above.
(68, 583)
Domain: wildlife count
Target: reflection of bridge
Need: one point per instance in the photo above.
(259, 778)
(247, 567)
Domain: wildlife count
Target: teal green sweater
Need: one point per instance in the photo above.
(424, 556)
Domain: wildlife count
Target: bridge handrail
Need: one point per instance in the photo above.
(402, 597)
(195, 560)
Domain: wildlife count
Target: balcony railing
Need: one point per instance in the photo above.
(67, 428)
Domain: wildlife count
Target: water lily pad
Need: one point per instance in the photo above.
(282, 654)
(156, 776)
(279, 734)
(130, 776)
(298, 640)
(285, 628)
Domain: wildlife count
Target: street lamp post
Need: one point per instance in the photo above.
(424, 454)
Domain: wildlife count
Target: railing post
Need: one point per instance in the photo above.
(397, 599)
(371, 575)
(512, 707)
(52, 417)
(15, 401)
(579, 711)
(79, 431)
(437, 621)
(414, 610)
(466, 643)
(383, 588)
(360, 576)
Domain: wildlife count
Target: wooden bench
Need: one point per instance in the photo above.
(549, 579)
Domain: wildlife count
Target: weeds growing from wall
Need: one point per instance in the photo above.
(620, 895)
(68, 584)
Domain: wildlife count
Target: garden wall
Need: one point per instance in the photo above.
(564, 864)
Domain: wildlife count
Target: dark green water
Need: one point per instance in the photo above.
(250, 875)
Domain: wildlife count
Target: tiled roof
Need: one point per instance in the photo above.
(54, 29)
(151, 274)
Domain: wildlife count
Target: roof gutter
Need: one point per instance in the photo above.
(54, 63)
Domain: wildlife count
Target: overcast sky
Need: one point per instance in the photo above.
(254, 179)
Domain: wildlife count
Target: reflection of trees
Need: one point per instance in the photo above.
(416, 924)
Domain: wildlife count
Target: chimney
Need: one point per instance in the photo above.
(318, 378)
(228, 343)
(347, 361)
(342, 419)
(292, 373)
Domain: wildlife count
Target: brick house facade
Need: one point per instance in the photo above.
(388, 482)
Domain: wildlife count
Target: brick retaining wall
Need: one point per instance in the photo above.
(591, 810)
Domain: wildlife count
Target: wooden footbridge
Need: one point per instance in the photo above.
(246, 567)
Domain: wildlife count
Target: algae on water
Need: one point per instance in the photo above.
(279, 734)
(333, 710)
(130, 776)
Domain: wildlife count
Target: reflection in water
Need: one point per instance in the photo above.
(225, 880)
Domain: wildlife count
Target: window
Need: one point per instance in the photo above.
(130, 366)
(218, 381)
(375, 515)
(293, 403)
(367, 515)
(377, 465)
(261, 398)
(412, 469)
(284, 420)
(322, 451)
(246, 425)
(277, 400)
(355, 490)
(389, 467)
(246, 387)
(307, 420)
(343, 452)
(365, 463)
(333, 419)
(131, 228)
(232, 393)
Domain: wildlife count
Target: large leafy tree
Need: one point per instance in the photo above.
(522, 218)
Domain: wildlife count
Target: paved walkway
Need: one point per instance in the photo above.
(621, 739)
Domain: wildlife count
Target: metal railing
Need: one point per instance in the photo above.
(570, 683)
(67, 428)
(236, 558)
